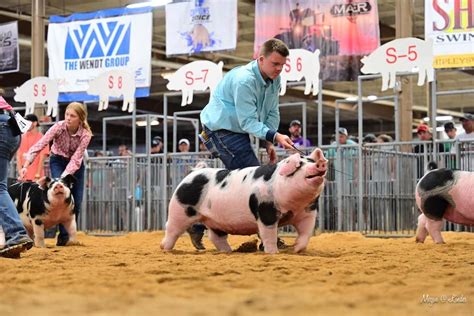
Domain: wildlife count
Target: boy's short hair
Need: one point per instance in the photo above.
(274, 45)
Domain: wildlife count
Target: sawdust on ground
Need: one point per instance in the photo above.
(339, 274)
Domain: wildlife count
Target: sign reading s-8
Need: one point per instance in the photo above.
(301, 63)
(84, 45)
(197, 75)
(401, 55)
(114, 83)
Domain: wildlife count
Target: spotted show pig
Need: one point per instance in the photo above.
(38, 90)
(444, 193)
(114, 83)
(44, 204)
(250, 200)
(302, 63)
(197, 75)
(401, 55)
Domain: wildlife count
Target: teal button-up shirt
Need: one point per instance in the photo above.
(243, 102)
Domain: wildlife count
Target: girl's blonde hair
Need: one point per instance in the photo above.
(81, 111)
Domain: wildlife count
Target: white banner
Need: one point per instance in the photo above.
(9, 52)
(201, 26)
(84, 45)
(450, 25)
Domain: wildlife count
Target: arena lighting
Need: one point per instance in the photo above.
(440, 118)
(152, 123)
(152, 3)
(372, 97)
(352, 99)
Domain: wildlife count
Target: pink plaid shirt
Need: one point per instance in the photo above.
(4, 105)
(71, 147)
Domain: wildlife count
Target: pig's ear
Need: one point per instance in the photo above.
(290, 165)
(70, 180)
(44, 182)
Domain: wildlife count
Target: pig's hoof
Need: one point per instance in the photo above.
(280, 245)
(249, 246)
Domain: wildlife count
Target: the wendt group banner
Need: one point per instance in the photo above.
(84, 45)
(201, 26)
(9, 51)
(451, 26)
(342, 30)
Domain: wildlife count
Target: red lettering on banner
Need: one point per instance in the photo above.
(443, 14)
(111, 82)
(43, 89)
(299, 65)
(35, 90)
(119, 82)
(412, 53)
(458, 11)
(189, 75)
(288, 65)
(205, 71)
(391, 52)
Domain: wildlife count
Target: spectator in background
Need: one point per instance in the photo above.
(369, 138)
(344, 137)
(450, 131)
(424, 134)
(156, 145)
(123, 150)
(295, 135)
(36, 169)
(183, 145)
(468, 125)
(384, 138)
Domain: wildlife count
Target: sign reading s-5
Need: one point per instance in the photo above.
(401, 55)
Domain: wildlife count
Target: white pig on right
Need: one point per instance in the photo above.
(401, 55)
(444, 193)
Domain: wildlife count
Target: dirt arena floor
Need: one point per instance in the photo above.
(340, 274)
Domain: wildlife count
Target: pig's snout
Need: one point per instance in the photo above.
(58, 188)
(321, 166)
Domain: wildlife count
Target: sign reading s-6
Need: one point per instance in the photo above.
(301, 63)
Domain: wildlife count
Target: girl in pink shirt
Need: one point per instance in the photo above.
(70, 139)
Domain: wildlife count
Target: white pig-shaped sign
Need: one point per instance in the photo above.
(38, 90)
(401, 55)
(197, 75)
(114, 83)
(301, 63)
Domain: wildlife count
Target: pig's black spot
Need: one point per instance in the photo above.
(435, 206)
(218, 232)
(221, 174)
(436, 178)
(265, 171)
(267, 213)
(38, 222)
(245, 177)
(253, 205)
(223, 184)
(314, 204)
(190, 193)
(190, 211)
